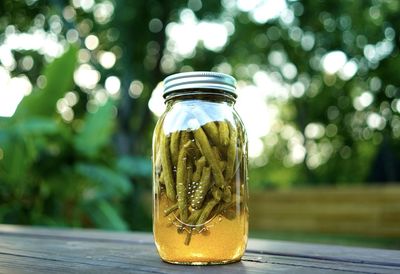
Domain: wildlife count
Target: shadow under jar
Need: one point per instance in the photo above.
(200, 213)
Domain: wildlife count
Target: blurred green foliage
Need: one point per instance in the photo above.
(87, 163)
(54, 174)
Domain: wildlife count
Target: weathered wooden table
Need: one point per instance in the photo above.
(37, 250)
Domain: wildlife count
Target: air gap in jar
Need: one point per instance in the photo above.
(200, 213)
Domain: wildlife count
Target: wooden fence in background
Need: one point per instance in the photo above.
(362, 210)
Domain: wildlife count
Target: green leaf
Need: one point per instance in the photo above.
(96, 131)
(109, 181)
(59, 77)
(106, 216)
(135, 166)
(16, 161)
(35, 126)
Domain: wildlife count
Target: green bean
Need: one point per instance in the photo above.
(226, 205)
(216, 153)
(184, 138)
(161, 178)
(231, 155)
(167, 168)
(200, 163)
(189, 174)
(216, 193)
(210, 127)
(222, 165)
(212, 131)
(202, 188)
(188, 238)
(174, 146)
(194, 216)
(227, 195)
(224, 133)
(170, 209)
(205, 147)
(206, 211)
(181, 183)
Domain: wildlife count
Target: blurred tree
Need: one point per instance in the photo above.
(76, 146)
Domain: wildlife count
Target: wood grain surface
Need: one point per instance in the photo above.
(41, 250)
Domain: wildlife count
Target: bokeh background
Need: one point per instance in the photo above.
(318, 85)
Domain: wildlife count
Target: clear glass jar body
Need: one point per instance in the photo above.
(200, 213)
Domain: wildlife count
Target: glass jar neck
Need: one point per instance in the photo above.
(216, 96)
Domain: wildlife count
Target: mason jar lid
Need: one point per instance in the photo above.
(201, 80)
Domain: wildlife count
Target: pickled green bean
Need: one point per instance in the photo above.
(208, 152)
(170, 209)
(167, 168)
(200, 163)
(231, 155)
(174, 146)
(206, 211)
(181, 183)
(227, 195)
(202, 188)
(224, 133)
(210, 127)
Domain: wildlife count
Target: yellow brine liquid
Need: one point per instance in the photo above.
(221, 240)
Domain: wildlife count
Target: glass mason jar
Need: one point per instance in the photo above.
(200, 213)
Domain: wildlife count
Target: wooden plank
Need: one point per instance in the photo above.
(369, 211)
(27, 250)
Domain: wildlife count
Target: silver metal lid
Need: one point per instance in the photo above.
(200, 80)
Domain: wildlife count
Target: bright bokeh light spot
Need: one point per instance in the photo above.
(396, 105)
(185, 35)
(333, 61)
(100, 97)
(69, 13)
(92, 42)
(72, 36)
(12, 91)
(289, 71)
(363, 101)
(251, 105)
(314, 131)
(103, 11)
(86, 76)
(256, 147)
(271, 86)
(27, 63)
(135, 89)
(247, 5)
(84, 56)
(156, 102)
(112, 85)
(213, 35)
(268, 10)
(348, 70)
(45, 43)
(262, 11)
(376, 121)
(379, 51)
(107, 59)
(297, 90)
(298, 153)
(86, 5)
